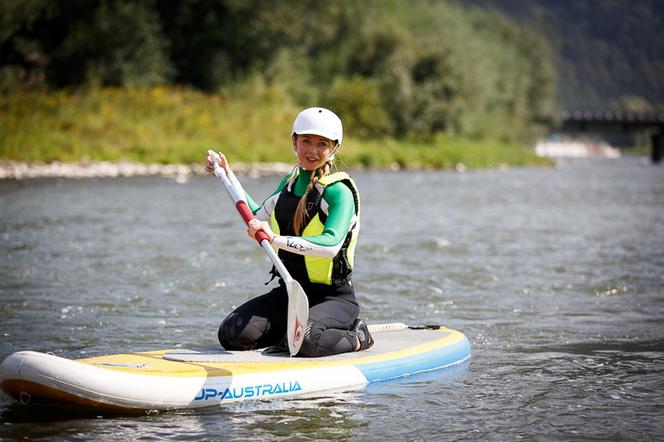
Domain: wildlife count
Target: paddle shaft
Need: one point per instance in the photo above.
(262, 239)
(298, 303)
(246, 214)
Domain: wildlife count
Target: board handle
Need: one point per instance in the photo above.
(389, 327)
(397, 326)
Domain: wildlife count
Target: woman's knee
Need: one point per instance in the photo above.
(310, 346)
(230, 332)
(237, 333)
(322, 341)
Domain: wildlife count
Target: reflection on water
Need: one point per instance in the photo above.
(555, 275)
(654, 348)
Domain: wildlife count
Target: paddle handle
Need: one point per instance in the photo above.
(245, 213)
(237, 197)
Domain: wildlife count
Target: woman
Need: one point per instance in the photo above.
(313, 219)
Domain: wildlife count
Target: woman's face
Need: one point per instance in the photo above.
(312, 150)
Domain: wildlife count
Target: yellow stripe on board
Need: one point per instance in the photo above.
(151, 363)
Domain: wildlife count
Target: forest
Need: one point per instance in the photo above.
(421, 74)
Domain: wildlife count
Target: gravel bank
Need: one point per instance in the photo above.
(15, 170)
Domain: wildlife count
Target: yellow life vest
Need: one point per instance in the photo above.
(338, 269)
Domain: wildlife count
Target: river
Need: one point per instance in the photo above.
(554, 274)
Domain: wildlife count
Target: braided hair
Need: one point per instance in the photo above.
(299, 218)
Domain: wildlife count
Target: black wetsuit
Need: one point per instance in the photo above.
(261, 322)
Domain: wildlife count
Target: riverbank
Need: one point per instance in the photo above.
(17, 170)
(50, 131)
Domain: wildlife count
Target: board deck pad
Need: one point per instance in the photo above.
(383, 343)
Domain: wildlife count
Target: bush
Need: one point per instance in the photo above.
(357, 101)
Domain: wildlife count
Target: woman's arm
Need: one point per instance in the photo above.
(341, 213)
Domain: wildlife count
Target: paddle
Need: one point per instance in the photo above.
(298, 304)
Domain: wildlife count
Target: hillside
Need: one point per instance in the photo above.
(608, 53)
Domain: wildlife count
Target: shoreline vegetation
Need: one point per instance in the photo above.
(181, 173)
(166, 130)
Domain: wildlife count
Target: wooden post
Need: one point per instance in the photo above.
(657, 141)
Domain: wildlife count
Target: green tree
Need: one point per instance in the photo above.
(390, 67)
(110, 42)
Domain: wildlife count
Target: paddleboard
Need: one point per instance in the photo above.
(194, 378)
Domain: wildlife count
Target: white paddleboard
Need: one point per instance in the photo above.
(177, 379)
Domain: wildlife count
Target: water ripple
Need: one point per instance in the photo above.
(553, 274)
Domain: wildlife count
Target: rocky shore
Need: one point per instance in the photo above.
(15, 170)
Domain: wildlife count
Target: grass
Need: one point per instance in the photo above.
(173, 125)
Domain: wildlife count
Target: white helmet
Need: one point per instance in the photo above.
(318, 121)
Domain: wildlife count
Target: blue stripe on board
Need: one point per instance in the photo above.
(431, 360)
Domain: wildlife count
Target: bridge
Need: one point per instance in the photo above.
(617, 123)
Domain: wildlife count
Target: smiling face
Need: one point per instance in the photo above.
(312, 150)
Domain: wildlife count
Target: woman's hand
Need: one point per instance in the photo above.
(223, 162)
(255, 225)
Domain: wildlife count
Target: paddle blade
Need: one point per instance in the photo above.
(298, 316)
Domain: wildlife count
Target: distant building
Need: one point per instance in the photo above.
(557, 147)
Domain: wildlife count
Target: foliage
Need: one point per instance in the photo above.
(177, 125)
(608, 53)
(390, 68)
(78, 42)
(358, 100)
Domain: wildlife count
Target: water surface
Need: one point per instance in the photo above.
(555, 275)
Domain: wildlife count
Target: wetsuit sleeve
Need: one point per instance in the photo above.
(240, 189)
(259, 210)
(264, 211)
(341, 216)
(253, 205)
